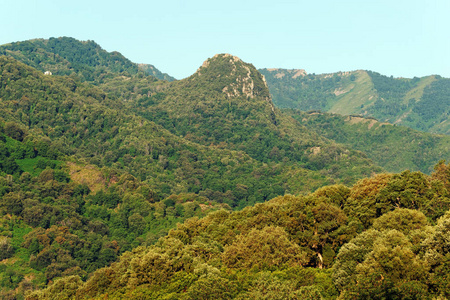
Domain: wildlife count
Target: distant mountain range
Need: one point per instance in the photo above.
(419, 103)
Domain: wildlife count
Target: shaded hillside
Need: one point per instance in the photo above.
(65, 56)
(419, 103)
(395, 148)
(383, 238)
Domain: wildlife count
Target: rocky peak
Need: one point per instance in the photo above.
(234, 77)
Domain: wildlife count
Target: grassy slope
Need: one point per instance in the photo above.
(360, 95)
(417, 92)
(394, 100)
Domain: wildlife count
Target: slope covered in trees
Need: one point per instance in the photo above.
(65, 56)
(63, 219)
(395, 148)
(419, 103)
(227, 103)
(57, 221)
(81, 120)
(383, 238)
(91, 167)
(210, 107)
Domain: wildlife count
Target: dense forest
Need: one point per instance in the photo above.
(386, 237)
(118, 182)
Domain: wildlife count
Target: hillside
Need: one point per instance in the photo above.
(60, 218)
(419, 103)
(153, 71)
(383, 238)
(393, 147)
(100, 163)
(226, 103)
(212, 106)
(79, 172)
(65, 56)
(83, 178)
(80, 120)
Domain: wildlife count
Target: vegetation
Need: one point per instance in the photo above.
(419, 103)
(116, 184)
(395, 148)
(383, 238)
(66, 56)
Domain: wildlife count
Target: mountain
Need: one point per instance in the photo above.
(65, 56)
(83, 178)
(96, 171)
(419, 103)
(226, 103)
(80, 120)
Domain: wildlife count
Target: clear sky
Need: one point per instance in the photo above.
(403, 38)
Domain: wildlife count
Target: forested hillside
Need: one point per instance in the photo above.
(117, 182)
(419, 103)
(65, 56)
(227, 103)
(384, 238)
(84, 179)
(81, 120)
(395, 148)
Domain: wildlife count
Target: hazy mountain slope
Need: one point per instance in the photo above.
(64, 56)
(395, 148)
(352, 96)
(419, 103)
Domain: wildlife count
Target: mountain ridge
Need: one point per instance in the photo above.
(418, 103)
(65, 55)
(227, 102)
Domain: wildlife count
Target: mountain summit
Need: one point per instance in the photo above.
(224, 90)
(233, 76)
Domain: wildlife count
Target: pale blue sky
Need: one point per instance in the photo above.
(403, 38)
